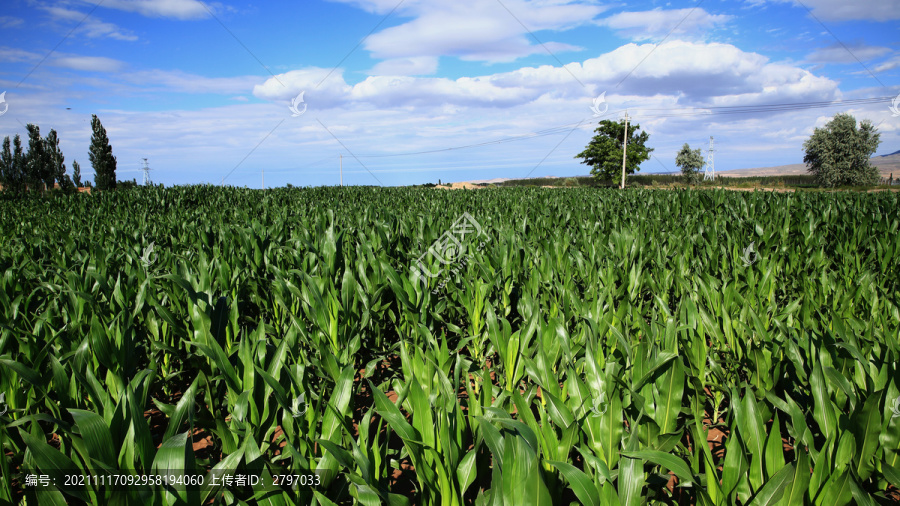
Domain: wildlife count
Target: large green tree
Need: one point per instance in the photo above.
(690, 161)
(838, 154)
(37, 164)
(101, 157)
(604, 153)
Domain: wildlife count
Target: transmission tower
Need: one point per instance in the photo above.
(710, 173)
(146, 169)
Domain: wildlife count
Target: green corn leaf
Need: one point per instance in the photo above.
(387, 410)
(666, 460)
(631, 475)
(581, 485)
(865, 424)
(795, 490)
(535, 490)
(184, 409)
(52, 462)
(774, 488)
(97, 439)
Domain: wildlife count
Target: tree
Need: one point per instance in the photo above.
(76, 174)
(12, 164)
(57, 162)
(604, 153)
(127, 185)
(690, 161)
(6, 161)
(37, 166)
(102, 159)
(838, 154)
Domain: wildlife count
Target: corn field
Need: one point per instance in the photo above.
(592, 346)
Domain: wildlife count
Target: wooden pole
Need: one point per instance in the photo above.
(342, 169)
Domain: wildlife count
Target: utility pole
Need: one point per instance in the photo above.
(624, 150)
(710, 174)
(342, 169)
(263, 170)
(146, 169)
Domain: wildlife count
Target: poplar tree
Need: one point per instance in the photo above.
(102, 159)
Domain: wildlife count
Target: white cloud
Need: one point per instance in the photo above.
(323, 87)
(842, 10)
(417, 65)
(12, 54)
(178, 9)
(182, 82)
(888, 65)
(837, 53)
(473, 30)
(88, 25)
(10, 21)
(87, 63)
(62, 60)
(656, 24)
(700, 74)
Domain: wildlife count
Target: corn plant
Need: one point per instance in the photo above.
(600, 347)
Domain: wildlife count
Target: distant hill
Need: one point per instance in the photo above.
(886, 165)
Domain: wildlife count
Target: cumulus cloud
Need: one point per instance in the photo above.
(323, 88)
(697, 73)
(656, 24)
(474, 30)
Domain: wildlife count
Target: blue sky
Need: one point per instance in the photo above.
(420, 90)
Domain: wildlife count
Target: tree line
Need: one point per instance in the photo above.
(837, 154)
(42, 165)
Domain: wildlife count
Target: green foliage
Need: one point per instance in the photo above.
(38, 166)
(690, 162)
(76, 174)
(13, 166)
(126, 185)
(604, 153)
(838, 154)
(595, 344)
(57, 162)
(101, 157)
